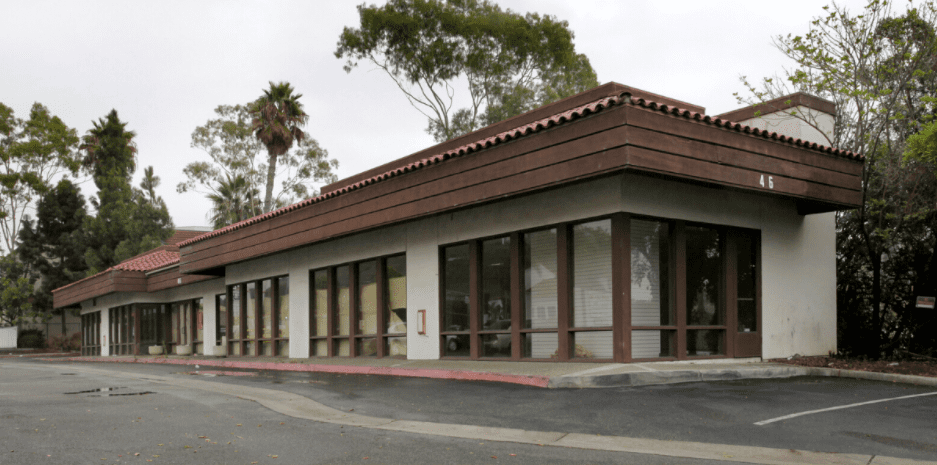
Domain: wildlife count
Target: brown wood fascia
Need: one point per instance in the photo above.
(617, 139)
(103, 284)
(605, 90)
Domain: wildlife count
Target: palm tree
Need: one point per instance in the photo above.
(233, 201)
(277, 116)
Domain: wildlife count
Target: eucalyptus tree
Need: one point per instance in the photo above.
(880, 69)
(510, 62)
(232, 147)
(33, 153)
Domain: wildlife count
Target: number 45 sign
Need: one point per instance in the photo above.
(770, 182)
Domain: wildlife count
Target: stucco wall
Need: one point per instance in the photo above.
(798, 256)
(819, 129)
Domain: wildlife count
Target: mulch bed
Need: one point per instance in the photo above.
(900, 367)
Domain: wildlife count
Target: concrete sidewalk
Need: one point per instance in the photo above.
(538, 374)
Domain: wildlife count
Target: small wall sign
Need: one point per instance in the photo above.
(925, 302)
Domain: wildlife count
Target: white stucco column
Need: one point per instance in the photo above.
(422, 290)
(299, 311)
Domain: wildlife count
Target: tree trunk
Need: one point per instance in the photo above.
(271, 173)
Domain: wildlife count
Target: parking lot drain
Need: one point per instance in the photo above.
(123, 394)
(106, 389)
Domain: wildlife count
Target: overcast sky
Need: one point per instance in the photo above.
(165, 65)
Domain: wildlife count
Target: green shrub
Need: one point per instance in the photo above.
(31, 339)
(66, 344)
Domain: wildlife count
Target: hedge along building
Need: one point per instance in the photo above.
(613, 225)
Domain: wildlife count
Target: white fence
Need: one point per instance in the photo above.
(8, 337)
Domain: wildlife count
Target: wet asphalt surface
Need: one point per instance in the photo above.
(717, 412)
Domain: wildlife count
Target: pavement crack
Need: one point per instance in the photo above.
(567, 434)
(870, 460)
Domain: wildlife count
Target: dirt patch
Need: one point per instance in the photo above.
(901, 367)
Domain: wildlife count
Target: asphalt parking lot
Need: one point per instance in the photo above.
(718, 412)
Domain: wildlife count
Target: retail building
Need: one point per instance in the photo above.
(614, 225)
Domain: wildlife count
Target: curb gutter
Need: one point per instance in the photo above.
(631, 379)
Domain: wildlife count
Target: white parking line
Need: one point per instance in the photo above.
(810, 412)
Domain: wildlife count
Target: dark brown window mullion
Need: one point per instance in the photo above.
(441, 298)
(517, 293)
(274, 313)
(621, 287)
(380, 284)
(243, 310)
(474, 300)
(679, 233)
(563, 294)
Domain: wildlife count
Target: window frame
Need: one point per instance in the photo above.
(258, 340)
(354, 336)
(622, 327)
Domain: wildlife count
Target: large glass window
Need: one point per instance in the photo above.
(221, 317)
(591, 279)
(237, 331)
(652, 307)
(456, 324)
(540, 295)
(570, 283)
(704, 291)
(496, 297)
(283, 316)
(319, 326)
(746, 284)
(395, 305)
(376, 292)
(259, 317)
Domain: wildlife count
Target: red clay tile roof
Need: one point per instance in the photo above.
(151, 261)
(182, 235)
(148, 261)
(527, 129)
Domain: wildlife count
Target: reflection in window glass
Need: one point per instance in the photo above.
(650, 274)
(496, 288)
(540, 276)
(199, 322)
(592, 275)
(266, 310)
(747, 314)
(283, 311)
(343, 283)
(541, 345)
(367, 298)
(456, 289)
(396, 346)
(251, 301)
(221, 317)
(704, 342)
(652, 344)
(591, 344)
(703, 272)
(320, 304)
(395, 315)
(235, 312)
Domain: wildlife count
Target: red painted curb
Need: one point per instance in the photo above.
(536, 381)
